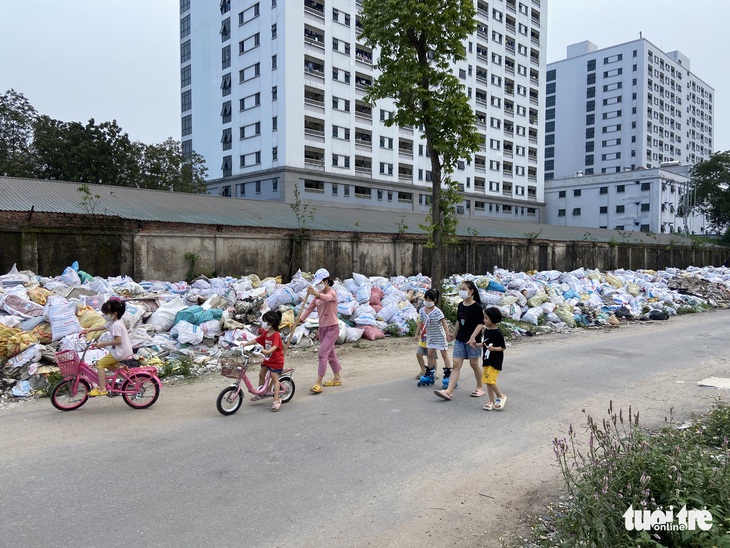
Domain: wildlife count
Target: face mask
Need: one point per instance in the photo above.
(319, 287)
(265, 325)
(429, 304)
(108, 317)
(463, 295)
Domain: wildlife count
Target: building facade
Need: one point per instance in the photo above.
(622, 108)
(273, 99)
(647, 200)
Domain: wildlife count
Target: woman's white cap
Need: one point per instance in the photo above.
(320, 275)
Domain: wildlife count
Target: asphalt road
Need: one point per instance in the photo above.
(342, 469)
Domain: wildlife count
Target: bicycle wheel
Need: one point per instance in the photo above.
(286, 389)
(140, 391)
(229, 400)
(63, 398)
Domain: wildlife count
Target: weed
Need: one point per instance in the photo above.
(449, 309)
(359, 344)
(178, 365)
(623, 466)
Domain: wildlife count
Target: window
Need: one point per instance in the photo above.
(226, 84)
(620, 209)
(576, 211)
(341, 46)
(185, 51)
(187, 124)
(613, 87)
(561, 194)
(273, 62)
(185, 27)
(226, 57)
(252, 159)
(248, 44)
(604, 209)
(257, 187)
(646, 186)
(550, 75)
(186, 99)
(225, 29)
(249, 14)
(590, 132)
(187, 149)
(620, 189)
(251, 130)
(225, 6)
(590, 106)
(226, 139)
(603, 190)
(274, 123)
(273, 31)
(612, 73)
(591, 65)
(184, 5)
(577, 192)
(550, 101)
(249, 102)
(613, 59)
(275, 184)
(386, 142)
(591, 79)
(645, 207)
(386, 169)
(249, 72)
(226, 112)
(274, 93)
(227, 166)
(561, 213)
(590, 92)
(590, 146)
(185, 76)
(341, 104)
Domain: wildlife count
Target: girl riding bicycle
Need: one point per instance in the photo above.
(274, 360)
(121, 346)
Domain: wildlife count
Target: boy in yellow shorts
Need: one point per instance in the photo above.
(494, 347)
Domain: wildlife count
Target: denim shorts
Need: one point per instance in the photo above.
(463, 350)
(277, 371)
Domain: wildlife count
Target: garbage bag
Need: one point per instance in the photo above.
(372, 333)
(163, 318)
(61, 314)
(186, 332)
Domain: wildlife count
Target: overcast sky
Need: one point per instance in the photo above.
(81, 59)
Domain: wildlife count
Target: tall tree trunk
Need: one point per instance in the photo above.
(436, 274)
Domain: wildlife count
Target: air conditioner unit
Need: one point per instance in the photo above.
(579, 174)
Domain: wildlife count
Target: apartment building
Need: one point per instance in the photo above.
(273, 99)
(624, 107)
(647, 200)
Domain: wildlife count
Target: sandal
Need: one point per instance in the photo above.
(333, 382)
(501, 401)
(316, 389)
(276, 405)
(477, 393)
(488, 406)
(443, 394)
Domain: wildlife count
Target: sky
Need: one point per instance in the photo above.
(81, 59)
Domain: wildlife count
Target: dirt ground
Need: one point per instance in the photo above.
(462, 511)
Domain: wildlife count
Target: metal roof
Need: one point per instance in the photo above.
(18, 194)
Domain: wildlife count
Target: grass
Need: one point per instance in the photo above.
(622, 465)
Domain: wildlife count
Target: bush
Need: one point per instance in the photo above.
(624, 466)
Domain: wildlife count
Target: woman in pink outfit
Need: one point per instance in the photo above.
(329, 327)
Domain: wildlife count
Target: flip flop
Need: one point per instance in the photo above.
(316, 389)
(332, 383)
(477, 393)
(443, 394)
(488, 406)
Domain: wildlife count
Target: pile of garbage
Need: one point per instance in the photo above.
(179, 326)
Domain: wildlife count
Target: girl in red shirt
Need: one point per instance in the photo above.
(274, 355)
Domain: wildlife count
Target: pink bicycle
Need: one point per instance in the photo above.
(231, 398)
(139, 386)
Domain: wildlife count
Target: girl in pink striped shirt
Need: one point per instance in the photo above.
(329, 327)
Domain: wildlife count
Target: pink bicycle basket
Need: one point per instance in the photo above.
(231, 368)
(68, 362)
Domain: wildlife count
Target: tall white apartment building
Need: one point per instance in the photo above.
(624, 107)
(273, 99)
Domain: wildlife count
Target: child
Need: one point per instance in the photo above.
(432, 320)
(494, 347)
(422, 351)
(121, 346)
(469, 316)
(274, 355)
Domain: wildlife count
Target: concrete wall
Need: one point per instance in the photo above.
(157, 251)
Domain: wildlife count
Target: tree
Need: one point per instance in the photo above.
(711, 179)
(17, 117)
(419, 41)
(94, 154)
(165, 167)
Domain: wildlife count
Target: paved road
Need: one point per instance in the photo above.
(343, 469)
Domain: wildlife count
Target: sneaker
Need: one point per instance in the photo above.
(96, 392)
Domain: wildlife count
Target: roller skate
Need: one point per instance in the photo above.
(447, 377)
(428, 378)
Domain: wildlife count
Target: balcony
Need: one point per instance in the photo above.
(405, 149)
(362, 82)
(363, 141)
(314, 8)
(363, 166)
(364, 56)
(314, 158)
(314, 129)
(313, 67)
(314, 99)
(313, 37)
(363, 112)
